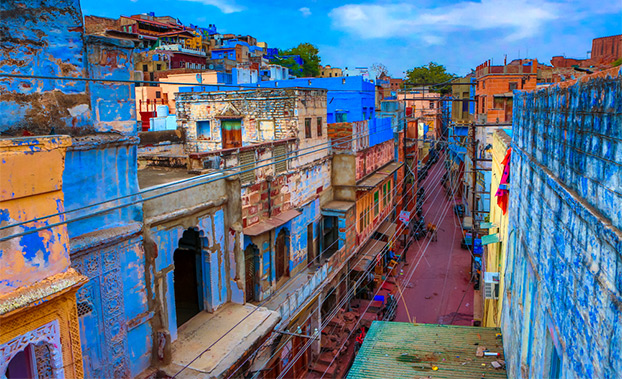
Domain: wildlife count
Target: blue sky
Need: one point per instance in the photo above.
(400, 34)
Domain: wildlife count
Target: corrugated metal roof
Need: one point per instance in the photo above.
(369, 253)
(380, 174)
(404, 350)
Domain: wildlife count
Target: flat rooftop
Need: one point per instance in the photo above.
(154, 176)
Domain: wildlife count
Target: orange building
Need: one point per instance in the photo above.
(495, 86)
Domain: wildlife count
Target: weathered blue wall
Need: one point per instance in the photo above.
(218, 285)
(564, 265)
(42, 37)
(299, 242)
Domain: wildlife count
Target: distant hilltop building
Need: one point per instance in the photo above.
(330, 72)
(605, 50)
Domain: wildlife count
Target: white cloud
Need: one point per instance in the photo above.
(306, 12)
(225, 6)
(518, 18)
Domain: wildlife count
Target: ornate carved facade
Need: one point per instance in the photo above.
(48, 332)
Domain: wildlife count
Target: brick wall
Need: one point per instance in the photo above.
(285, 108)
(373, 158)
(564, 265)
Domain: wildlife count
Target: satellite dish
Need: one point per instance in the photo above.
(211, 66)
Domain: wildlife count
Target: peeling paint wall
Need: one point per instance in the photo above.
(564, 267)
(31, 186)
(45, 35)
(373, 158)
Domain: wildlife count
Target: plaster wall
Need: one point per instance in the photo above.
(564, 279)
(32, 187)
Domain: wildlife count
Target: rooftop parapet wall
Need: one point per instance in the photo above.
(563, 277)
(575, 131)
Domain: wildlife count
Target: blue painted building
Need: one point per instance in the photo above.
(129, 308)
(562, 308)
(349, 99)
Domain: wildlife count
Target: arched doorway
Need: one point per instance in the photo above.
(250, 268)
(187, 277)
(281, 255)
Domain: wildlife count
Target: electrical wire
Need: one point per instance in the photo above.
(141, 200)
(293, 155)
(346, 276)
(347, 338)
(411, 270)
(353, 226)
(353, 253)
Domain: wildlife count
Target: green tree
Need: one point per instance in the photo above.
(310, 57)
(432, 73)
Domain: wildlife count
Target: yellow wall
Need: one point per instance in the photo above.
(366, 215)
(37, 286)
(496, 252)
(31, 171)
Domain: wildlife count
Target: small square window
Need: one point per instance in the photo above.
(158, 94)
(203, 130)
(145, 68)
(513, 86)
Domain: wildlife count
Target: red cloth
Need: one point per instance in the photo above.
(503, 194)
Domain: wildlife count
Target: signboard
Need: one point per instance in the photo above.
(404, 217)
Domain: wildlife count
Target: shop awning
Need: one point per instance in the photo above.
(387, 228)
(271, 223)
(487, 225)
(380, 175)
(491, 238)
(368, 254)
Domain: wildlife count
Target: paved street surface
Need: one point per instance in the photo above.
(441, 278)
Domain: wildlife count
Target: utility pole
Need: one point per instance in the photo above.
(474, 144)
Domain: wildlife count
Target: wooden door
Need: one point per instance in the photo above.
(249, 267)
(231, 133)
(281, 255)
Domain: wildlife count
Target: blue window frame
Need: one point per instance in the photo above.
(203, 130)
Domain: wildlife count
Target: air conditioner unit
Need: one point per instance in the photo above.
(212, 163)
(491, 285)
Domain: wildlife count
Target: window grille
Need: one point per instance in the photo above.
(247, 161)
(43, 359)
(84, 308)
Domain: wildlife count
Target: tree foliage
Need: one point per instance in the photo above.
(310, 57)
(432, 73)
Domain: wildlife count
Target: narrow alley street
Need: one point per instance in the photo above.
(435, 280)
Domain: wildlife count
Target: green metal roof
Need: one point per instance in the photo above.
(404, 350)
